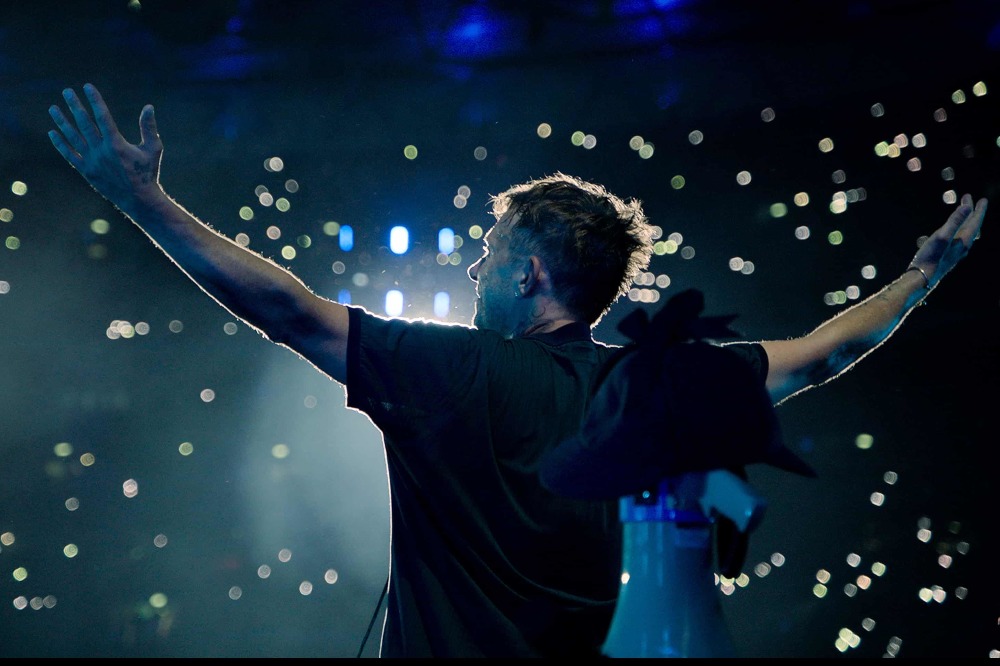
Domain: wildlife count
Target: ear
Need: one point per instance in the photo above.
(531, 277)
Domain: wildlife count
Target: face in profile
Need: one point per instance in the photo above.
(495, 283)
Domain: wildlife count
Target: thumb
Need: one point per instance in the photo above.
(147, 128)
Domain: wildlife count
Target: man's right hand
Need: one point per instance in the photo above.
(123, 173)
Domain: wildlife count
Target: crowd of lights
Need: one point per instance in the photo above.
(846, 638)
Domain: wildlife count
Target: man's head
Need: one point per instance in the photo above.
(582, 243)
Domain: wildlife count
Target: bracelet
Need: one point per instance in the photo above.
(914, 267)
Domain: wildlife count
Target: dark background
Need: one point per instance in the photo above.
(337, 89)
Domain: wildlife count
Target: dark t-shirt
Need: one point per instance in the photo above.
(484, 560)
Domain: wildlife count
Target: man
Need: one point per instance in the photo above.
(485, 561)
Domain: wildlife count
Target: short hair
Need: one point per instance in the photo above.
(593, 243)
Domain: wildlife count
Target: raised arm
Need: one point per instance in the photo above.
(253, 288)
(799, 364)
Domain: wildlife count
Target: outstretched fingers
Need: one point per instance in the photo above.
(964, 223)
(68, 153)
(69, 137)
(84, 123)
(968, 232)
(105, 122)
(952, 240)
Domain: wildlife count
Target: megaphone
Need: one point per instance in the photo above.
(668, 602)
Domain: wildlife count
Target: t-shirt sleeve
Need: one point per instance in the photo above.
(754, 353)
(406, 374)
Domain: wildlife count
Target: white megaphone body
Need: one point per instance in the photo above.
(668, 603)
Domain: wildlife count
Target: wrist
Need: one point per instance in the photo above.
(916, 285)
(923, 275)
(150, 199)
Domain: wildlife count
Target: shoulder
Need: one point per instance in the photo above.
(368, 324)
(753, 352)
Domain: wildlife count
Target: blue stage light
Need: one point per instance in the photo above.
(399, 239)
(346, 238)
(394, 303)
(446, 241)
(442, 304)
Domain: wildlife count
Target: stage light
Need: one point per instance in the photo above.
(346, 238)
(394, 303)
(478, 32)
(442, 304)
(399, 239)
(446, 241)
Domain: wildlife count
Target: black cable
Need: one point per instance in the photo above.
(385, 588)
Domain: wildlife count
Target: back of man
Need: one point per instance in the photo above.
(485, 561)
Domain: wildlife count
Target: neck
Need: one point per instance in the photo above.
(544, 315)
(548, 326)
